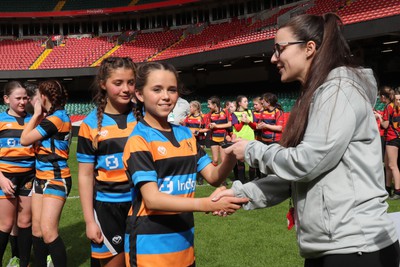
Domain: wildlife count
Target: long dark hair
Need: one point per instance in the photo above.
(272, 100)
(332, 51)
(56, 93)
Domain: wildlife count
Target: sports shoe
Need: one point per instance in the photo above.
(49, 261)
(14, 262)
(395, 196)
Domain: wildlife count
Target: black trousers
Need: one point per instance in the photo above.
(386, 257)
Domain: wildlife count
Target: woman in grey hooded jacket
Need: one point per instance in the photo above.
(329, 158)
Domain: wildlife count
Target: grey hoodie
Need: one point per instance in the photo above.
(335, 173)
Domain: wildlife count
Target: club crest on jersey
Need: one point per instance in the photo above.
(103, 133)
(162, 150)
(8, 125)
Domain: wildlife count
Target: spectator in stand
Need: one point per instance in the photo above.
(391, 122)
(272, 119)
(104, 188)
(243, 127)
(49, 128)
(328, 160)
(196, 122)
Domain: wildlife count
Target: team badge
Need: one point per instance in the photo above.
(117, 239)
(162, 150)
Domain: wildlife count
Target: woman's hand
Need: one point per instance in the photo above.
(221, 195)
(238, 148)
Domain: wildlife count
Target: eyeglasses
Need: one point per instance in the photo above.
(278, 47)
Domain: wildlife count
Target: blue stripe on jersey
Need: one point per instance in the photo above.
(144, 176)
(164, 243)
(113, 197)
(110, 162)
(179, 185)
(203, 162)
(45, 166)
(83, 158)
(21, 163)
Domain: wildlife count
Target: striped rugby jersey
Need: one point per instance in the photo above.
(14, 158)
(274, 117)
(172, 160)
(52, 151)
(111, 182)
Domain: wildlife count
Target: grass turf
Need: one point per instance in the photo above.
(246, 238)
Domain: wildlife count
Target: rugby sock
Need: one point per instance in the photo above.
(397, 191)
(58, 252)
(24, 245)
(14, 246)
(3, 243)
(389, 190)
(40, 250)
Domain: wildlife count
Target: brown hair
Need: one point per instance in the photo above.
(10, 87)
(107, 66)
(56, 93)
(325, 31)
(143, 73)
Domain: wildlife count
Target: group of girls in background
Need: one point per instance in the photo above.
(389, 123)
(264, 123)
(32, 200)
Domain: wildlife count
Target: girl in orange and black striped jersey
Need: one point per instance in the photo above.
(17, 172)
(50, 129)
(104, 188)
(162, 161)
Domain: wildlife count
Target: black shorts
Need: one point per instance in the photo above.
(395, 142)
(55, 188)
(23, 183)
(111, 217)
(213, 143)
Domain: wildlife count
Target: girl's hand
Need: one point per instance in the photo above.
(7, 186)
(38, 110)
(93, 233)
(212, 125)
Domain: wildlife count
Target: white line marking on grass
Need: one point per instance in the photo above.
(73, 197)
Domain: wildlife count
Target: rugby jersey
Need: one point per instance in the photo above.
(172, 160)
(273, 117)
(392, 115)
(257, 118)
(196, 123)
(111, 182)
(218, 135)
(14, 158)
(52, 151)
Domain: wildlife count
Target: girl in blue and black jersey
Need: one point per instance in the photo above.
(17, 172)
(50, 131)
(162, 161)
(103, 185)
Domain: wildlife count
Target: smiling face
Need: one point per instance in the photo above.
(120, 86)
(17, 101)
(159, 95)
(294, 60)
(244, 103)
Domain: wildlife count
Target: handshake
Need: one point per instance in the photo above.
(223, 202)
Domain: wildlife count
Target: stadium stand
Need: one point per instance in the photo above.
(77, 52)
(19, 54)
(24, 5)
